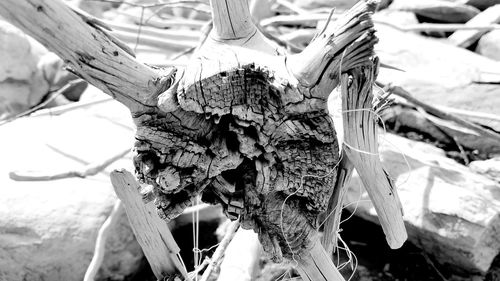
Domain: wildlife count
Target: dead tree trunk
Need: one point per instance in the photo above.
(244, 124)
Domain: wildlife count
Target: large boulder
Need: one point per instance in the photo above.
(449, 211)
(48, 229)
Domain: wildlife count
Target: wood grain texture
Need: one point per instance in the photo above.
(151, 232)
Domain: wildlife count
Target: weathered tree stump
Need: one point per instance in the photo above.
(244, 124)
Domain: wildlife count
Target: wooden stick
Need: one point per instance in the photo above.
(468, 113)
(89, 49)
(444, 27)
(69, 107)
(176, 34)
(231, 19)
(317, 265)
(361, 147)
(151, 232)
(465, 38)
(295, 19)
(100, 244)
(89, 170)
(164, 43)
(399, 91)
(219, 252)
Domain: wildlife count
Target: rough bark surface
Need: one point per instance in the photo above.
(239, 126)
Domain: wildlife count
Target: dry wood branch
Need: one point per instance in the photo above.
(465, 38)
(396, 90)
(89, 49)
(232, 19)
(318, 265)
(69, 107)
(100, 244)
(295, 19)
(361, 147)
(219, 252)
(89, 170)
(151, 232)
(443, 27)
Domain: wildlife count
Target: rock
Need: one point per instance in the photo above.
(449, 211)
(48, 228)
(437, 10)
(489, 45)
(21, 83)
(465, 38)
(489, 168)
(480, 4)
(433, 74)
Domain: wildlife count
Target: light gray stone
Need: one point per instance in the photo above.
(449, 211)
(48, 228)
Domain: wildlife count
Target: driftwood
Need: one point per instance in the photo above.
(244, 124)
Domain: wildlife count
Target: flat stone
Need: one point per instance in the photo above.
(450, 211)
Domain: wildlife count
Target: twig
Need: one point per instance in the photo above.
(444, 27)
(154, 5)
(219, 252)
(69, 107)
(429, 261)
(295, 19)
(54, 95)
(396, 90)
(468, 113)
(88, 170)
(100, 244)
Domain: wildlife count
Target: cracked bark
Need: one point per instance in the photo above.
(244, 124)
